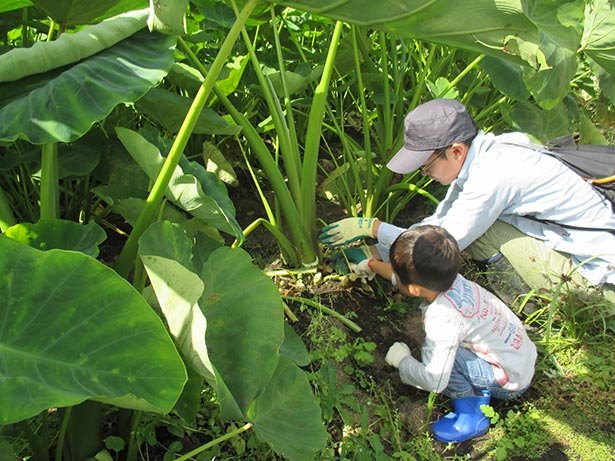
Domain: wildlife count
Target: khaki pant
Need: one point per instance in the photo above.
(540, 267)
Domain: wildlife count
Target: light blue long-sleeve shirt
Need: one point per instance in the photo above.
(507, 181)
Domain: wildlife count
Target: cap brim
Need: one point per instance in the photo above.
(406, 160)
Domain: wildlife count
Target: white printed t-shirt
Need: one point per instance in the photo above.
(469, 316)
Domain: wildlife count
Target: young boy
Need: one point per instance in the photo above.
(475, 346)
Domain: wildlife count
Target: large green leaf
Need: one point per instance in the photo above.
(10, 5)
(541, 125)
(287, 416)
(191, 187)
(170, 109)
(294, 347)
(69, 48)
(598, 40)
(76, 12)
(245, 322)
(482, 25)
(73, 330)
(542, 36)
(228, 321)
(507, 77)
(49, 234)
(560, 34)
(61, 105)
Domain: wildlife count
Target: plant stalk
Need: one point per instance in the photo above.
(368, 199)
(49, 181)
(308, 302)
(7, 218)
(62, 435)
(312, 141)
(277, 181)
(126, 258)
(288, 149)
(133, 446)
(214, 442)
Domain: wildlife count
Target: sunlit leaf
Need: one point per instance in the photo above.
(191, 188)
(598, 40)
(168, 17)
(218, 165)
(74, 330)
(77, 12)
(62, 105)
(170, 109)
(225, 320)
(49, 234)
(10, 5)
(69, 48)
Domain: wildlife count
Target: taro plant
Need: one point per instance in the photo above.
(69, 374)
(291, 171)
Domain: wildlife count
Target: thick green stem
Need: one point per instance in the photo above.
(62, 435)
(272, 171)
(277, 181)
(49, 181)
(7, 218)
(288, 148)
(462, 74)
(367, 143)
(290, 121)
(314, 131)
(133, 446)
(275, 231)
(129, 252)
(423, 75)
(214, 442)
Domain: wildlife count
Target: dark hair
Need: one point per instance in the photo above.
(468, 142)
(427, 256)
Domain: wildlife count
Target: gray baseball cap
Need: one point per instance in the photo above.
(431, 126)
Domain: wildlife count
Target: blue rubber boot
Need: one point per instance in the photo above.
(465, 422)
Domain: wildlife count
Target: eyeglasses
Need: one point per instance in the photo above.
(432, 159)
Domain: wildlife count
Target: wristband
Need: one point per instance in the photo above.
(394, 280)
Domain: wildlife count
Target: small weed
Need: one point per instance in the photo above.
(335, 344)
(519, 431)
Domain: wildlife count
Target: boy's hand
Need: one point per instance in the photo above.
(346, 231)
(397, 352)
(362, 269)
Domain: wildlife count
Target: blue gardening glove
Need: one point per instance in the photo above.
(346, 231)
(343, 260)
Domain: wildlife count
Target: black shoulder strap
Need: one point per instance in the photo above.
(567, 226)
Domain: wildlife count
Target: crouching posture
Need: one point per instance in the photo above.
(475, 347)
